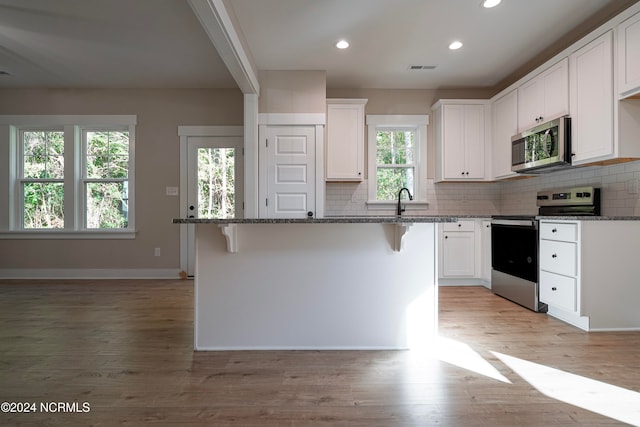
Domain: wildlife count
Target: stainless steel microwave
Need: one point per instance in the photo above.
(544, 148)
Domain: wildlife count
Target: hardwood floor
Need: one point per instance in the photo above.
(125, 348)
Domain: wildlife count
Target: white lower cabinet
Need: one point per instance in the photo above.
(462, 255)
(589, 273)
(559, 291)
(559, 280)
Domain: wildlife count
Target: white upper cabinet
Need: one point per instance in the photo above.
(345, 140)
(629, 57)
(545, 97)
(591, 88)
(460, 139)
(505, 125)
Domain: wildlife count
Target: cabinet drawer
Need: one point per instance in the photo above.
(559, 257)
(559, 231)
(459, 226)
(558, 291)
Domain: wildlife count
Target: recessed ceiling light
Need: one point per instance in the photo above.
(490, 3)
(342, 44)
(455, 45)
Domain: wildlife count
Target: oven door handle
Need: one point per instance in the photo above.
(516, 222)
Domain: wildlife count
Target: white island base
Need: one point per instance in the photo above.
(315, 286)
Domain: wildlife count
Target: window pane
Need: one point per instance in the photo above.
(216, 183)
(43, 154)
(107, 204)
(395, 147)
(43, 204)
(107, 154)
(391, 180)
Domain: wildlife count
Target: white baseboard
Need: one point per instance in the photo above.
(89, 273)
(463, 282)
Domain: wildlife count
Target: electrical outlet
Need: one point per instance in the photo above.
(632, 186)
(156, 252)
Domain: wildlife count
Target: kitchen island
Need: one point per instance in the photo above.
(330, 283)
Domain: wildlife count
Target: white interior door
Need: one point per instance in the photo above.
(214, 183)
(291, 171)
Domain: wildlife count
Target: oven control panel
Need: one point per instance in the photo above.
(572, 196)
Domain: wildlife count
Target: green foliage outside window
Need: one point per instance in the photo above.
(216, 183)
(43, 162)
(107, 161)
(395, 158)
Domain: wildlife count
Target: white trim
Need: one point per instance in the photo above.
(61, 120)
(73, 127)
(89, 273)
(251, 156)
(418, 122)
(291, 119)
(102, 234)
(409, 205)
(295, 347)
(320, 173)
(217, 22)
(193, 131)
(413, 120)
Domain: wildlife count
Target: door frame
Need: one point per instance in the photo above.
(185, 132)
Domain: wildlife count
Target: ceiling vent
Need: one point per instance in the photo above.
(422, 67)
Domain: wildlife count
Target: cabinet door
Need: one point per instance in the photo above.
(530, 104)
(592, 100)
(453, 134)
(473, 142)
(505, 125)
(556, 91)
(458, 254)
(345, 142)
(629, 56)
(545, 97)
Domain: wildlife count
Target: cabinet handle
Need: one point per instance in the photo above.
(359, 173)
(554, 256)
(446, 237)
(554, 288)
(459, 225)
(555, 230)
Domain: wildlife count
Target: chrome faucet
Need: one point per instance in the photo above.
(400, 208)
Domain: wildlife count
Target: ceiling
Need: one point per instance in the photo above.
(161, 44)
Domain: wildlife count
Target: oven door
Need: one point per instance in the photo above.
(514, 248)
(514, 261)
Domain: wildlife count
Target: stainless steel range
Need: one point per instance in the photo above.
(514, 243)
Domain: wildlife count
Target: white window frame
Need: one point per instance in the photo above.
(75, 157)
(418, 123)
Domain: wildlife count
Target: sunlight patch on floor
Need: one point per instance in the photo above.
(460, 354)
(596, 396)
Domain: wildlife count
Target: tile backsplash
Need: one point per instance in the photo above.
(619, 185)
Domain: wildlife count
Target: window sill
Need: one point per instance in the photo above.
(409, 205)
(68, 234)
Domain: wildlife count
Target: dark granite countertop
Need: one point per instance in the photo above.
(408, 219)
(589, 218)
